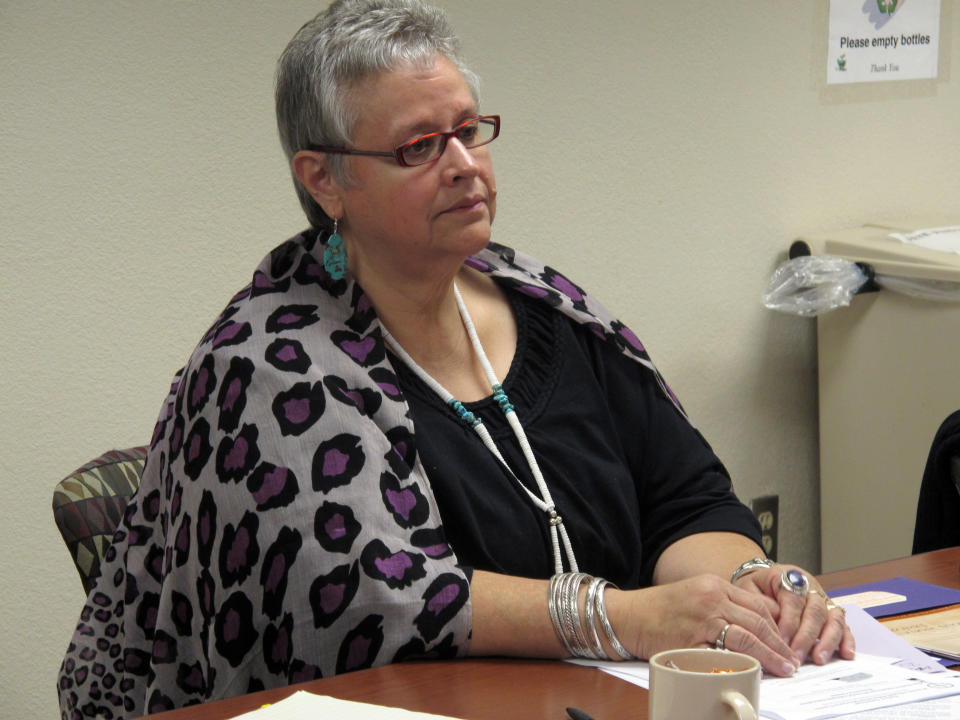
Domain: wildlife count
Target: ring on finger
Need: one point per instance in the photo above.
(722, 637)
(828, 601)
(795, 581)
(831, 605)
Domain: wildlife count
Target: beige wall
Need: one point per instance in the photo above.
(663, 153)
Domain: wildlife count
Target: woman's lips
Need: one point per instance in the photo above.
(467, 204)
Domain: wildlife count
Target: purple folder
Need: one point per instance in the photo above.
(920, 595)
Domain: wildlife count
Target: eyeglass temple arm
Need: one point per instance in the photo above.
(347, 151)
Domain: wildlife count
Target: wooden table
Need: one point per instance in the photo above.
(509, 689)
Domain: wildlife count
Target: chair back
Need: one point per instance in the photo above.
(88, 505)
(938, 507)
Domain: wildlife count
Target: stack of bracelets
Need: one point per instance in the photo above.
(581, 637)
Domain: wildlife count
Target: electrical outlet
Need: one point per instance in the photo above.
(767, 510)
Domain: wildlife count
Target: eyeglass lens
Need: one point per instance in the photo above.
(472, 133)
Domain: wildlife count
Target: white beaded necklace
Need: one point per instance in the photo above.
(544, 501)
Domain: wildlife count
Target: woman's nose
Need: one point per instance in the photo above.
(459, 160)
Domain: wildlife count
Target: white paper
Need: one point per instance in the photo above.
(303, 705)
(876, 40)
(875, 638)
(944, 239)
(943, 709)
(843, 687)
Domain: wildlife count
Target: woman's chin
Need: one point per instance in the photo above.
(469, 240)
(478, 243)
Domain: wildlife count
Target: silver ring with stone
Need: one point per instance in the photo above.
(795, 581)
(722, 637)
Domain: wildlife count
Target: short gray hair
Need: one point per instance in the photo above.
(329, 55)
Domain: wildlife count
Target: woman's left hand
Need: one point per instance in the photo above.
(812, 625)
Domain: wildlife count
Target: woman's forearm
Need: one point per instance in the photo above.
(717, 553)
(511, 617)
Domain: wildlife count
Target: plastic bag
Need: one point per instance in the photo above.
(813, 284)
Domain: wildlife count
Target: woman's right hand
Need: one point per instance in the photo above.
(692, 613)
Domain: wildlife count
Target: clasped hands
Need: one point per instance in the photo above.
(809, 623)
(757, 615)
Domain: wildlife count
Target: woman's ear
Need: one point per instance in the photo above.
(314, 174)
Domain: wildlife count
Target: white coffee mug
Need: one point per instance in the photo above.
(705, 684)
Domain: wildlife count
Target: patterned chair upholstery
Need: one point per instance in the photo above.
(88, 505)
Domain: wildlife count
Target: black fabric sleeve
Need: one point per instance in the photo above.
(682, 486)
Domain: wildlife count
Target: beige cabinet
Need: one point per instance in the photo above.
(889, 373)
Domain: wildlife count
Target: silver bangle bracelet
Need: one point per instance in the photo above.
(581, 637)
(607, 627)
(568, 610)
(565, 614)
(596, 584)
(565, 620)
(749, 566)
(553, 605)
(578, 638)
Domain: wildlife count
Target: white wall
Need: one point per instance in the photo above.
(662, 153)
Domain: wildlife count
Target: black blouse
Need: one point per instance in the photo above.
(628, 474)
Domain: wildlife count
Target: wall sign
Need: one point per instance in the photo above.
(876, 40)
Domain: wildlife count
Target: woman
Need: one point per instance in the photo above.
(339, 479)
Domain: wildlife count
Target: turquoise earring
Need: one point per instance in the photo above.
(335, 254)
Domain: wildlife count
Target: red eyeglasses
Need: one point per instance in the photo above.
(427, 148)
